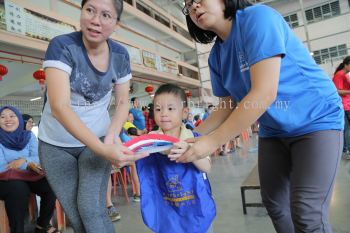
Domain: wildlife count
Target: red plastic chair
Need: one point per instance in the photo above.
(120, 176)
(245, 135)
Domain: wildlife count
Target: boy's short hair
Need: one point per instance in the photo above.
(173, 89)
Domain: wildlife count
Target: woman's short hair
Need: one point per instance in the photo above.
(206, 37)
(118, 5)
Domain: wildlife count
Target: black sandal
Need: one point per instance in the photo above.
(48, 229)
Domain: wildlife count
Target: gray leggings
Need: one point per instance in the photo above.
(297, 177)
(79, 179)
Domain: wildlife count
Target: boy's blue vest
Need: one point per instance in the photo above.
(175, 198)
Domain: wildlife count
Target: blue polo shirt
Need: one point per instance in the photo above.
(307, 100)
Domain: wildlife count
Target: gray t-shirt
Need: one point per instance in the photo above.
(90, 89)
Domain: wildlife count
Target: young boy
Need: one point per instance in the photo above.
(175, 198)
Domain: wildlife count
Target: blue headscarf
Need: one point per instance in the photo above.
(17, 139)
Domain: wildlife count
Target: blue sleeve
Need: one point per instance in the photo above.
(215, 76)
(33, 150)
(58, 56)
(3, 162)
(124, 136)
(263, 33)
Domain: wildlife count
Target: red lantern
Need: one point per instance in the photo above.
(189, 94)
(149, 89)
(3, 71)
(40, 76)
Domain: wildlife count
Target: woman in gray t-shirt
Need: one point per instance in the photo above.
(82, 68)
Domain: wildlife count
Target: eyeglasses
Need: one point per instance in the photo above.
(105, 17)
(189, 6)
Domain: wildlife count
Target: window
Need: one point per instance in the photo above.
(333, 53)
(128, 1)
(143, 8)
(292, 20)
(183, 32)
(349, 2)
(162, 20)
(323, 12)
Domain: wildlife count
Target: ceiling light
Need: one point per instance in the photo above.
(37, 98)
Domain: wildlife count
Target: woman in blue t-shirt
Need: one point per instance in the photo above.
(258, 62)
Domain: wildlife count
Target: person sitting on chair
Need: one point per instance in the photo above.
(21, 174)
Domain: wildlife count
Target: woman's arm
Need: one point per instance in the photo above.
(58, 89)
(264, 85)
(203, 165)
(3, 162)
(343, 92)
(219, 115)
(33, 156)
(120, 114)
(179, 148)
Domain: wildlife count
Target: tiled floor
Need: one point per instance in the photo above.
(227, 175)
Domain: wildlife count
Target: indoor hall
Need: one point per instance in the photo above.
(154, 32)
(228, 173)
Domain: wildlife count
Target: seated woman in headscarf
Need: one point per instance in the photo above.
(21, 174)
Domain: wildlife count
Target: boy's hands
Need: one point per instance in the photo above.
(178, 149)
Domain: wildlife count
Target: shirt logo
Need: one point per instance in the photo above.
(176, 195)
(243, 64)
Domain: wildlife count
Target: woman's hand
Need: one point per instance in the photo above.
(203, 146)
(178, 149)
(15, 164)
(120, 155)
(111, 138)
(36, 168)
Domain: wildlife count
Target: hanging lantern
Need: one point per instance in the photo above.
(40, 76)
(149, 89)
(3, 71)
(189, 94)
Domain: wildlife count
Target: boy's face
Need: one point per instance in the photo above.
(169, 112)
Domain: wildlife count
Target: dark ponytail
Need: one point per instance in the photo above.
(346, 61)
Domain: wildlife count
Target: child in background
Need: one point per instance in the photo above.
(124, 137)
(176, 198)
